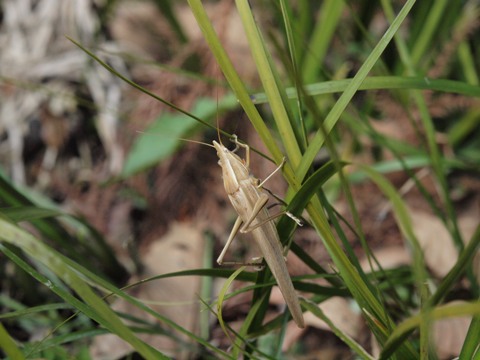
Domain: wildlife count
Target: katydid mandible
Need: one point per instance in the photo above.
(249, 200)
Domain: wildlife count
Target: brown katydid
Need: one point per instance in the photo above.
(249, 200)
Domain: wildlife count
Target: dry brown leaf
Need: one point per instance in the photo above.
(449, 335)
(388, 257)
(341, 314)
(468, 222)
(437, 245)
(176, 298)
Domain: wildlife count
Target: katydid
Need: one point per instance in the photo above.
(249, 200)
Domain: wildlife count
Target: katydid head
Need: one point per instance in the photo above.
(233, 168)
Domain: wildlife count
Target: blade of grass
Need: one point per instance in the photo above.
(468, 63)
(341, 104)
(55, 229)
(362, 290)
(321, 37)
(464, 127)
(221, 298)
(430, 26)
(381, 83)
(297, 204)
(246, 325)
(103, 284)
(238, 87)
(52, 260)
(270, 82)
(207, 286)
(167, 10)
(70, 337)
(34, 309)
(8, 345)
(463, 261)
(300, 130)
(148, 151)
(27, 213)
(403, 220)
(440, 312)
(472, 340)
(420, 275)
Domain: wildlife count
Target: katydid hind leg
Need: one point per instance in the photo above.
(256, 262)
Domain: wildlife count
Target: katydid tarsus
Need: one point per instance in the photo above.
(249, 200)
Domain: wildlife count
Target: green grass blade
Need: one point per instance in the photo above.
(429, 28)
(403, 220)
(233, 78)
(288, 19)
(381, 83)
(7, 344)
(70, 337)
(34, 309)
(168, 11)
(103, 284)
(285, 225)
(28, 213)
(440, 312)
(472, 340)
(273, 89)
(162, 138)
(53, 261)
(341, 104)
(463, 262)
(321, 38)
(246, 326)
(464, 127)
(468, 62)
(77, 246)
(221, 297)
